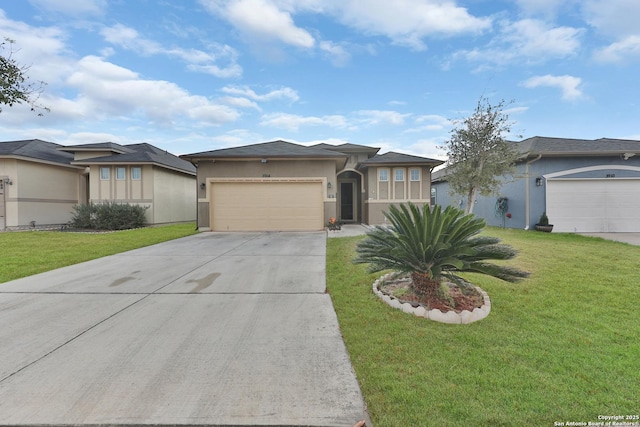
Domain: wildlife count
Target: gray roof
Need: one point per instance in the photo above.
(545, 146)
(347, 147)
(100, 146)
(565, 147)
(141, 153)
(393, 158)
(267, 150)
(37, 150)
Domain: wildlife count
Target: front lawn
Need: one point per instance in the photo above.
(562, 346)
(29, 252)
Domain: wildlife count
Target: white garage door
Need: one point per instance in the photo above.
(594, 205)
(267, 206)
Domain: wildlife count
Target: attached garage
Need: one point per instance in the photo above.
(609, 205)
(266, 204)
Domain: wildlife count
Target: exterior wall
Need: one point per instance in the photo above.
(271, 169)
(174, 196)
(128, 190)
(170, 196)
(82, 155)
(523, 186)
(380, 195)
(39, 192)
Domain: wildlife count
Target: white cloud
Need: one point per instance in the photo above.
(41, 48)
(405, 22)
(197, 60)
(376, 117)
(261, 20)
(240, 102)
(569, 85)
(528, 40)
(626, 48)
(613, 17)
(91, 137)
(72, 7)
(293, 122)
(244, 91)
(337, 54)
(408, 22)
(543, 7)
(110, 90)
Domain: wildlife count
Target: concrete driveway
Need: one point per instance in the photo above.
(212, 329)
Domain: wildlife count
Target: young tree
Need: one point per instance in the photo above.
(15, 87)
(478, 154)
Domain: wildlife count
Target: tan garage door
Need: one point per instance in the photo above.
(267, 206)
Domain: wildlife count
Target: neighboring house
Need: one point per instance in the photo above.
(43, 181)
(280, 186)
(582, 185)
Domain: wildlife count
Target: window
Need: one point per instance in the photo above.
(120, 174)
(383, 175)
(415, 175)
(105, 174)
(433, 196)
(136, 173)
(399, 174)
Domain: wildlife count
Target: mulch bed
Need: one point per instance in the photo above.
(457, 298)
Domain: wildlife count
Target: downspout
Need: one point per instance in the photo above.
(527, 213)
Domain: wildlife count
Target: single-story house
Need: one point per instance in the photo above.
(582, 185)
(282, 186)
(41, 182)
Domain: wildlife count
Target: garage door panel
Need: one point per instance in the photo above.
(267, 206)
(607, 205)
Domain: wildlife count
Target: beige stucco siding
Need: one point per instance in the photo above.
(380, 195)
(129, 190)
(174, 196)
(39, 192)
(169, 195)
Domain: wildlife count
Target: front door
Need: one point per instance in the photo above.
(346, 201)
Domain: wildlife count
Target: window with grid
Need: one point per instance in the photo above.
(120, 174)
(105, 174)
(136, 173)
(399, 174)
(415, 175)
(383, 175)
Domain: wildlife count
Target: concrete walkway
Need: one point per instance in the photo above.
(212, 329)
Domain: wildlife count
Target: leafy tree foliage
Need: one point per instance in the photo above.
(431, 244)
(478, 154)
(15, 87)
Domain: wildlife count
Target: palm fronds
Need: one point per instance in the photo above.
(435, 243)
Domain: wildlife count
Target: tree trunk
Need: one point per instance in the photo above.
(472, 196)
(424, 284)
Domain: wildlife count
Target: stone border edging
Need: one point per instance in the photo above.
(436, 315)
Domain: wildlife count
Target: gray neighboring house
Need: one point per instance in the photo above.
(582, 185)
(41, 181)
(278, 185)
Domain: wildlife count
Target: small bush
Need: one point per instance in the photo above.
(108, 216)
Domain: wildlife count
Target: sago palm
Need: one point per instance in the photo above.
(432, 244)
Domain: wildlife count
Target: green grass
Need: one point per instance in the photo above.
(563, 345)
(31, 252)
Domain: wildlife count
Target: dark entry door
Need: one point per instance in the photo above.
(346, 201)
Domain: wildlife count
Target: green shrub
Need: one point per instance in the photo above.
(108, 216)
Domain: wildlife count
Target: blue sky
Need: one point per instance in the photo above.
(197, 75)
